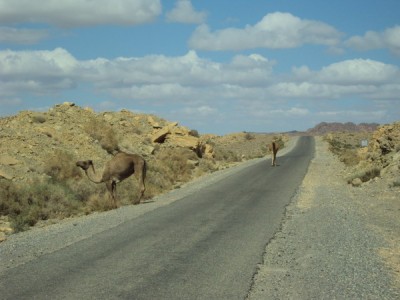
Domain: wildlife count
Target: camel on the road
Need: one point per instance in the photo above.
(120, 167)
(273, 148)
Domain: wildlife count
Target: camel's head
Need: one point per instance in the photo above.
(84, 164)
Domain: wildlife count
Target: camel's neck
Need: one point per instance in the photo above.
(91, 174)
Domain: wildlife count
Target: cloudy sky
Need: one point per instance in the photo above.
(217, 66)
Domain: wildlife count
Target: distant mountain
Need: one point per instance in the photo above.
(324, 127)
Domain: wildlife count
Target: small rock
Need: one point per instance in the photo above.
(68, 104)
(3, 237)
(356, 182)
(7, 160)
(4, 174)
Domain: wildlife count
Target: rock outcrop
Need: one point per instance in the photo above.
(325, 128)
(179, 136)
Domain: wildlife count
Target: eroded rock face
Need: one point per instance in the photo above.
(386, 139)
(179, 136)
(382, 154)
(29, 139)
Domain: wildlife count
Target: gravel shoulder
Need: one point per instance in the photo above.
(25, 246)
(336, 242)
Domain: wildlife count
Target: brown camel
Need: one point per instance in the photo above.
(120, 167)
(273, 147)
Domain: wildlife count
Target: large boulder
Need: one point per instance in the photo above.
(180, 136)
(187, 141)
(160, 135)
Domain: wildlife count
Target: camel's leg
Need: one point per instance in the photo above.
(140, 170)
(142, 188)
(112, 187)
(273, 160)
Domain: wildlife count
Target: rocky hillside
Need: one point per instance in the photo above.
(324, 128)
(382, 156)
(39, 180)
(379, 159)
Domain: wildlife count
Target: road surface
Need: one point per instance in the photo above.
(204, 246)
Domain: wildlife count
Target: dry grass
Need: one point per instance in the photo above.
(61, 166)
(99, 202)
(169, 168)
(26, 205)
(38, 118)
(346, 146)
(365, 174)
(101, 131)
(63, 194)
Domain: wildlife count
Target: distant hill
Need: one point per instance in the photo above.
(324, 127)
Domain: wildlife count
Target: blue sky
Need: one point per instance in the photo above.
(218, 66)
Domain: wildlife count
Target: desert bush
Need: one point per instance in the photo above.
(206, 166)
(194, 133)
(38, 118)
(61, 166)
(226, 156)
(176, 162)
(168, 168)
(365, 174)
(349, 157)
(104, 133)
(99, 202)
(346, 152)
(8, 190)
(394, 184)
(42, 200)
(248, 136)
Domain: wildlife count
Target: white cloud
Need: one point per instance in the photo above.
(76, 13)
(38, 64)
(183, 12)
(359, 71)
(199, 85)
(291, 112)
(22, 36)
(389, 38)
(174, 73)
(203, 111)
(276, 31)
(10, 102)
(40, 72)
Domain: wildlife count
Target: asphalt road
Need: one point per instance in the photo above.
(204, 246)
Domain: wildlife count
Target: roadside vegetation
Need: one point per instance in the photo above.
(42, 184)
(378, 157)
